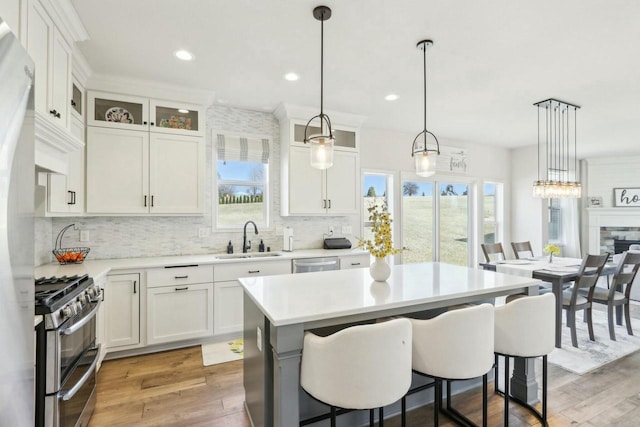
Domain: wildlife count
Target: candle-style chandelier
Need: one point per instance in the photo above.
(559, 130)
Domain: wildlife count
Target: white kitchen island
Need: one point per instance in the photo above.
(279, 309)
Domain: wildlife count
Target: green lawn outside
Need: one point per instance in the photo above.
(239, 213)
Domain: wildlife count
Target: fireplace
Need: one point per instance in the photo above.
(620, 246)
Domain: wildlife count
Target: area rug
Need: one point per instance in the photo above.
(221, 352)
(593, 354)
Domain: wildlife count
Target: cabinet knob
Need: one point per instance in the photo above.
(73, 103)
(144, 123)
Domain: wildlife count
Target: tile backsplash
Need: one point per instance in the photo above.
(142, 236)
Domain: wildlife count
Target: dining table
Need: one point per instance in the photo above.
(558, 271)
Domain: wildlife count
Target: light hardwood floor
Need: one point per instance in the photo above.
(174, 389)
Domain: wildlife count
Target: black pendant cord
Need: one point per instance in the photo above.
(538, 144)
(424, 74)
(575, 143)
(321, 68)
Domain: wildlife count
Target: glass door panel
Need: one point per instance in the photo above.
(454, 223)
(176, 118)
(417, 221)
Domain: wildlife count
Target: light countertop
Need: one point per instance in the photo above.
(292, 299)
(99, 268)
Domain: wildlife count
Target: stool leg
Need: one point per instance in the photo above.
(381, 416)
(404, 411)
(495, 375)
(544, 388)
(333, 416)
(506, 391)
(371, 418)
(484, 399)
(436, 402)
(449, 394)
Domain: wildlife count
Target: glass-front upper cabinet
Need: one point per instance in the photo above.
(77, 99)
(177, 118)
(117, 111)
(346, 139)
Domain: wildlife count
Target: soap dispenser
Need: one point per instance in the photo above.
(261, 246)
(229, 248)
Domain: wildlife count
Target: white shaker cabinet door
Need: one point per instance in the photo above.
(342, 184)
(122, 310)
(117, 171)
(228, 307)
(176, 168)
(60, 89)
(39, 39)
(305, 184)
(179, 312)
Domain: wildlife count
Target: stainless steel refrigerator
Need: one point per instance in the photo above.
(17, 176)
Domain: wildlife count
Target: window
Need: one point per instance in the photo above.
(453, 223)
(492, 213)
(241, 181)
(377, 190)
(417, 221)
(555, 221)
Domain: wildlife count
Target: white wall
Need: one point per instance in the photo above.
(10, 13)
(529, 219)
(605, 174)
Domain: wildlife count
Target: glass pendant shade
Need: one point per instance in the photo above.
(321, 151)
(425, 163)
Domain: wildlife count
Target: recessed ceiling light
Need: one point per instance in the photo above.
(292, 77)
(391, 97)
(184, 55)
(183, 111)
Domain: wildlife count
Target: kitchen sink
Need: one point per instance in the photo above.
(249, 255)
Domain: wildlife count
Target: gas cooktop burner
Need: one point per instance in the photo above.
(52, 293)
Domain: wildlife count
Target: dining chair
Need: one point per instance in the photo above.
(619, 290)
(359, 367)
(520, 247)
(493, 249)
(574, 300)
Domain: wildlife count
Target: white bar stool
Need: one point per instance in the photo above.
(456, 345)
(360, 367)
(525, 327)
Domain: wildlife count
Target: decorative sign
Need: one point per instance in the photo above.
(452, 160)
(595, 202)
(626, 197)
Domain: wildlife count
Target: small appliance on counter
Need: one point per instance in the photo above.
(337, 243)
(287, 242)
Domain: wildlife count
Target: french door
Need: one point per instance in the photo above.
(436, 221)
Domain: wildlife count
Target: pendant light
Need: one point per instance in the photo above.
(321, 143)
(424, 156)
(560, 181)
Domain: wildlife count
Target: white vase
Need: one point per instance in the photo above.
(380, 270)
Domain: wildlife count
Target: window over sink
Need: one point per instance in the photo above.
(241, 180)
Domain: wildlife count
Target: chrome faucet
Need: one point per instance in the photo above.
(246, 244)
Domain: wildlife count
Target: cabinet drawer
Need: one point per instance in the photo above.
(357, 261)
(225, 272)
(179, 275)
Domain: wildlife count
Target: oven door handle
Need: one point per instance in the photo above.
(76, 326)
(68, 395)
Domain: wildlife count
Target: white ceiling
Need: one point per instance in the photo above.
(490, 62)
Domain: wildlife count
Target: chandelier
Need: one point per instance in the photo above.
(559, 175)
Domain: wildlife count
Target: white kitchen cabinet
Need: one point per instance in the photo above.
(65, 193)
(228, 294)
(137, 171)
(355, 261)
(139, 113)
(227, 307)
(311, 191)
(52, 56)
(122, 310)
(179, 312)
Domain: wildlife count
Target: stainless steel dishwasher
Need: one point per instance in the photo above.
(309, 265)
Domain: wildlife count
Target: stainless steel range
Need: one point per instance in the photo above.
(66, 350)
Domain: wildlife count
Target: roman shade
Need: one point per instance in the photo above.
(237, 148)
